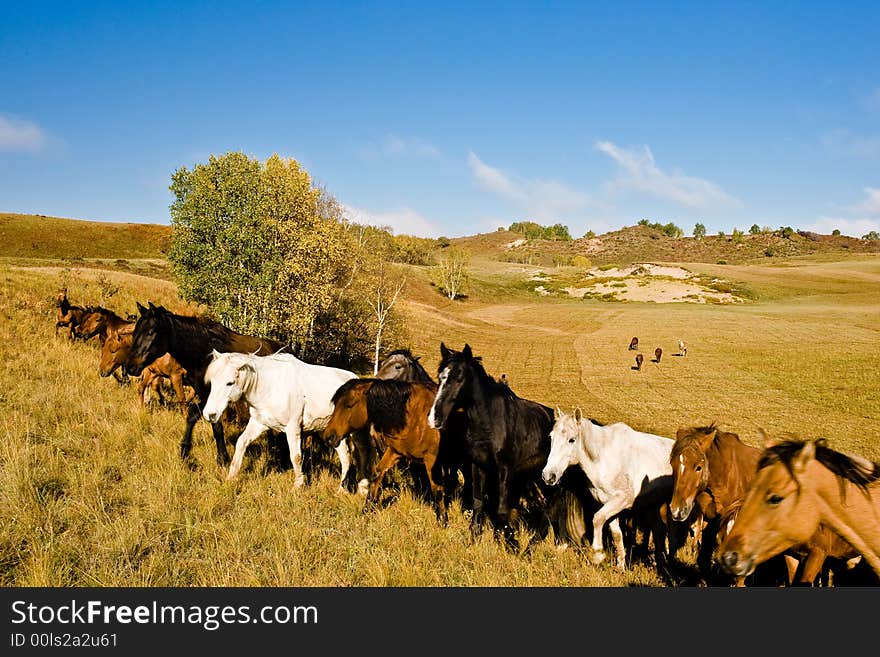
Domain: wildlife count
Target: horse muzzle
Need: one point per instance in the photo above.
(550, 478)
(734, 563)
(681, 512)
(211, 416)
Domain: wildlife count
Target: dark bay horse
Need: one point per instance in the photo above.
(506, 438)
(712, 470)
(396, 413)
(190, 341)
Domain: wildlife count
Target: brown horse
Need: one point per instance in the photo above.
(99, 321)
(639, 360)
(67, 315)
(712, 470)
(114, 355)
(657, 353)
(396, 413)
(799, 486)
(633, 344)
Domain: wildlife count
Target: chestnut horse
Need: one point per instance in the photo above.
(712, 470)
(396, 413)
(99, 321)
(800, 485)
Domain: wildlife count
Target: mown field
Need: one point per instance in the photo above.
(92, 492)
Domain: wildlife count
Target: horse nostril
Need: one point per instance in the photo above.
(729, 559)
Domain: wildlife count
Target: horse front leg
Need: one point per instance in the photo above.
(222, 454)
(389, 458)
(505, 504)
(293, 431)
(251, 432)
(343, 451)
(478, 486)
(436, 476)
(194, 412)
(608, 510)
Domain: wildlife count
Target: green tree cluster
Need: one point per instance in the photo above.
(534, 231)
(668, 229)
(270, 253)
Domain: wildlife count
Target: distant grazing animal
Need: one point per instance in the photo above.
(633, 344)
(639, 360)
(283, 393)
(396, 414)
(626, 469)
(712, 470)
(507, 440)
(799, 485)
(658, 352)
(682, 348)
(67, 315)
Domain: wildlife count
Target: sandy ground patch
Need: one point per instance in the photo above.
(650, 282)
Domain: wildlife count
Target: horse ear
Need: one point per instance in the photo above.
(215, 354)
(152, 307)
(707, 439)
(578, 416)
(766, 440)
(681, 433)
(141, 309)
(800, 462)
(467, 351)
(444, 351)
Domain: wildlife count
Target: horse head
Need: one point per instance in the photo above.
(228, 375)
(564, 437)
(690, 468)
(114, 352)
(150, 338)
(349, 411)
(455, 375)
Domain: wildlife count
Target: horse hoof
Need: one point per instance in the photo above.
(363, 487)
(597, 557)
(299, 482)
(562, 547)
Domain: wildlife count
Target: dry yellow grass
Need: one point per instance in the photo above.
(92, 491)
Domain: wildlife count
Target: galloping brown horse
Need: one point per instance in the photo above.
(67, 315)
(713, 470)
(397, 414)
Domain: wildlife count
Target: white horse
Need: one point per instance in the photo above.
(682, 348)
(283, 393)
(622, 464)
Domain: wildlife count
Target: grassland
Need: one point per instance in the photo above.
(92, 491)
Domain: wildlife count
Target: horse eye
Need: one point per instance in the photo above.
(571, 440)
(699, 468)
(774, 499)
(229, 383)
(398, 367)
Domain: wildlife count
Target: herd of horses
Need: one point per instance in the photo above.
(794, 512)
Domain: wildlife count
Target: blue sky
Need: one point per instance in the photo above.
(454, 118)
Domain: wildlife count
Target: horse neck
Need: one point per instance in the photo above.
(591, 444)
(855, 517)
(479, 410)
(732, 466)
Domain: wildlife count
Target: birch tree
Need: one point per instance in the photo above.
(451, 273)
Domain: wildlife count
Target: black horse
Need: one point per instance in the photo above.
(506, 439)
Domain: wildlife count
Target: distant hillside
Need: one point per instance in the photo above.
(642, 243)
(38, 236)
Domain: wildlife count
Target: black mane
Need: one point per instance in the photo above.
(386, 404)
(860, 472)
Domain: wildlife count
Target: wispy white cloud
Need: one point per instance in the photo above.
(405, 221)
(639, 171)
(394, 147)
(542, 200)
(19, 135)
(860, 218)
(870, 206)
(843, 143)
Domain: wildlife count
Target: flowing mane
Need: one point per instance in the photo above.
(692, 436)
(485, 379)
(858, 471)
